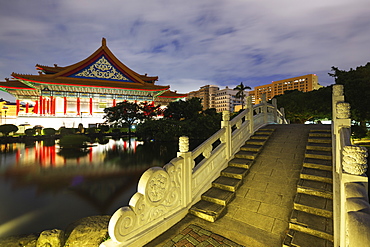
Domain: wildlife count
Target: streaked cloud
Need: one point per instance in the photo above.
(190, 43)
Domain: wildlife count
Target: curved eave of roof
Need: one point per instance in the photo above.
(49, 68)
(14, 84)
(172, 95)
(78, 82)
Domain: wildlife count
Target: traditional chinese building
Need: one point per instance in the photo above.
(80, 92)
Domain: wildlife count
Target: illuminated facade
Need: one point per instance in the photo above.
(303, 83)
(220, 99)
(66, 96)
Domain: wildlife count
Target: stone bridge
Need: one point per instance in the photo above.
(258, 181)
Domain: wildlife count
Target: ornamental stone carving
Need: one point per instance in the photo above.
(338, 90)
(102, 69)
(354, 160)
(207, 152)
(343, 110)
(184, 144)
(158, 193)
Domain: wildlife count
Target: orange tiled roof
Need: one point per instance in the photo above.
(78, 82)
(172, 94)
(67, 75)
(14, 84)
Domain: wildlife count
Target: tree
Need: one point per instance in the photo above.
(6, 129)
(356, 90)
(306, 106)
(240, 94)
(123, 113)
(181, 110)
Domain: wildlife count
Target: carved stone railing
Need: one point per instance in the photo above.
(351, 209)
(165, 195)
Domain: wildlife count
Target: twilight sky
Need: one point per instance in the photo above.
(190, 43)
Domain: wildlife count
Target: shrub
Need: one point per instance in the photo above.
(6, 129)
(30, 132)
(49, 131)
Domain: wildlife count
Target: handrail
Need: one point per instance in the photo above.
(165, 194)
(351, 209)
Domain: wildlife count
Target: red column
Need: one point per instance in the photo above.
(18, 107)
(47, 102)
(114, 102)
(27, 107)
(91, 106)
(40, 105)
(65, 105)
(51, 105)
(36, 107)
(43, 106)
(54, 106)
(78, 107)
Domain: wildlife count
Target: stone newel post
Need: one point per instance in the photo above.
(225, 123)
(250, 114)
(187, 170)
(264, 108)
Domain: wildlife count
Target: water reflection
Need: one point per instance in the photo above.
(103, 176)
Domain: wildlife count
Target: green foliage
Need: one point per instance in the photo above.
(358, 131)
(181, 110)
(356, 90)
(182, 118)
(92, 130)
(6, 129)
(240, 94)
(103, 128)
(30, 132)
(73, 141)
(49, 131)
(66, 131)
(306, 106)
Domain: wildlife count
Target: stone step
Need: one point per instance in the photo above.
(314, 154)
(314, 225)
(259, 142)
(260, 136)
(246, 155)
(315, 202)
(313, 210)
(234, 172)
(315, 185)
(320, 134)
(301, 239)
(208, 211)
(319, 146)
(316, 175)
(226, 183)
(319, 139)
(315, 192)
(319, 164)
(241, 163)
(251, 148)
(327, 130)
(218, 196)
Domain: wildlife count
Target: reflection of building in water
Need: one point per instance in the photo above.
(66, 96)
(40, 154)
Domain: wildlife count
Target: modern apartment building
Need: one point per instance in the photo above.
(213, 97)
(206, 94)
(303, 83)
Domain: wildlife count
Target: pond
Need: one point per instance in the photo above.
(44, 187)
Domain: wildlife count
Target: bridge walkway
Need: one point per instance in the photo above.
(259, 215)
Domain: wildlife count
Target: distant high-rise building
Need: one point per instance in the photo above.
(303, 83)
(213, 97)
(206, 94)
